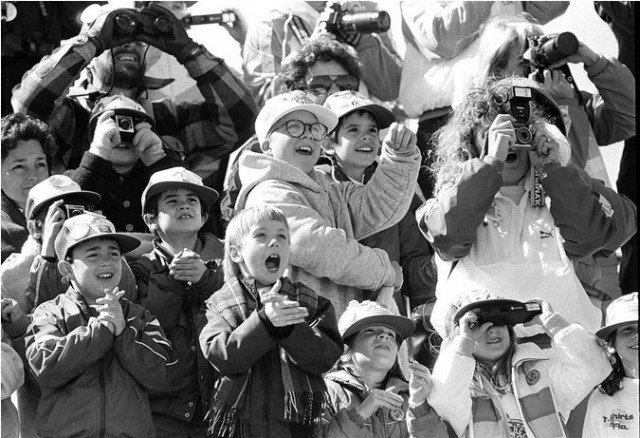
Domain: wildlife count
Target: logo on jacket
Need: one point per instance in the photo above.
(532, 377)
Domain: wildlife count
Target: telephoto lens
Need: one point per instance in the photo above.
(365, 22)
(555, 48)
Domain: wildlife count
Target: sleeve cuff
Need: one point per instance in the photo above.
(355, 417)
(554, 323)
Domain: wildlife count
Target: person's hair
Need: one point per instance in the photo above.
(334, 133)
(21, 127)
(454, 143)
(613, 382)
(296, 66)
(501, 38)
(238, 229)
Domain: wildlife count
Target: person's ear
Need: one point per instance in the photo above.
(234, 254)
(151, 221)
(265, 147)
(66, 270)
(205, 216)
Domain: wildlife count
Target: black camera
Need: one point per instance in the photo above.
(520, 110)
(129, 21)
(547, 49)
(74, 210)
(500, 311)
(126, 126)
(361, 22)
(225, 17)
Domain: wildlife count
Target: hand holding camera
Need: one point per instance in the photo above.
(103, 31)
(546, 149)
(148, 144)
(500, 137)
(106, 135)
(52, 225)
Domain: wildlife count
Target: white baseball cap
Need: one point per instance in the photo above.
(279, 106)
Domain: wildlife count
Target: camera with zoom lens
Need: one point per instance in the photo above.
(520, 110)
(362, 22)
(500, 312)
(547, 49)
(129, 21)
(225, 17)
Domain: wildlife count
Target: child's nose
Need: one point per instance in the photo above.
(274, 242)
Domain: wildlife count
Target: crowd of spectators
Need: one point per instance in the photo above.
(275, 252)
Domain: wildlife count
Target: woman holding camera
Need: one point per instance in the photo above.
(486, 383)
(507, 215)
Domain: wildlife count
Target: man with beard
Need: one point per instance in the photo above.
(112, 62)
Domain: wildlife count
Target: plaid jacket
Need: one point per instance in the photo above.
(203, 132)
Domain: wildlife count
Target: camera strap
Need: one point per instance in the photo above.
(537, 192)
(299, 29)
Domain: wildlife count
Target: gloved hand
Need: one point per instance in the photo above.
(102, 31)
(175, 42)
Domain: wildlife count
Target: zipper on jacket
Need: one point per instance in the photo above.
(103, 399)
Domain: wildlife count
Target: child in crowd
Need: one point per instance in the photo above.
(611, 411)
(269, 337)
(353, 152)
(487, 384)
(327, 219)
(507, 215)
(174, 280)
(121, 159)
(94, 353)
(369, 395)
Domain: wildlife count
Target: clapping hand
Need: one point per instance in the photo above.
(280, 310)
(187, 266)
(110, 311)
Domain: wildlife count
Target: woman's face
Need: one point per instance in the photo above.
(24, 167)
(626, 345)
(492, 343)
(374, 348)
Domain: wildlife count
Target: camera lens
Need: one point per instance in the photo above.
(523, 135)
(124, 124)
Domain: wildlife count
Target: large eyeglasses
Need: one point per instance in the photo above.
(295, 129)
(320, 85)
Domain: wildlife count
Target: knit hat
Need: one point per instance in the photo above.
(53, 188)
(366, 313)
(621, 311)
(83, 227)
(345, 102)
(177, 178)
(279, 106)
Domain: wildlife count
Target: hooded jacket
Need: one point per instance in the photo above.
(327, 219)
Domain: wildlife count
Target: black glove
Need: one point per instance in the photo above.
(103, 34)
(171, 38)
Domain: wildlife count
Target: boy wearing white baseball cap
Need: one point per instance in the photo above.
(327, 219)
(95, 354)
(352, 152)
(174, 280)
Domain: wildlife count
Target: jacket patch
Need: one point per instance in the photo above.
(532, 377)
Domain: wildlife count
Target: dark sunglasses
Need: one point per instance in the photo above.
(296, 128)
(319, 85)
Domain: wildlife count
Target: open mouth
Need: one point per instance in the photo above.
(494, 341)
(273, 263)
(511, 157)
(365, 149)
(304, 150)
(105, 276)
(185, 216)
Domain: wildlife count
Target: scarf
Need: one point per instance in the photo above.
(304, 393)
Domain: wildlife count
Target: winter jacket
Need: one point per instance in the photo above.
(326, 220)
(252, 347)
(403, 242)
(92, 383)
(271, 40)
(346, 393)
(177, 306)
(12, 379)
(546, 384)
(518, 251)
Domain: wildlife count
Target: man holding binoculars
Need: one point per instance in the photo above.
(110, 55)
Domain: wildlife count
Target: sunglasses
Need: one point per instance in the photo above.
(295, 129)
(320, 85)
